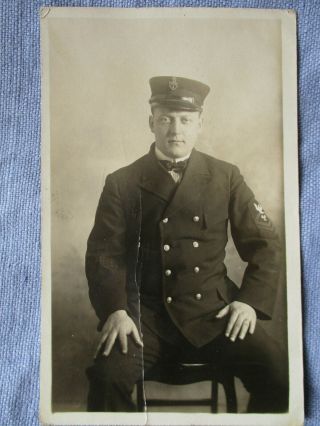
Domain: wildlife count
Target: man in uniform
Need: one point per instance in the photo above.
(155, 264)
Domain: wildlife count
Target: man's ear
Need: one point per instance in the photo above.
(151, 123)
(200, 121)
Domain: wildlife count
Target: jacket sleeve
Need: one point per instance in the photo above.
(106, 254)
(258, 244)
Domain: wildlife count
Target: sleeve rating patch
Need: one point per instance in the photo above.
(260, 216)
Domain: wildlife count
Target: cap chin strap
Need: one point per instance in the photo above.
(166, 98)
(181, 102)
(176, 106)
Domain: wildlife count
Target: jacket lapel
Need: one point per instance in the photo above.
(192, 185)
(155, 179)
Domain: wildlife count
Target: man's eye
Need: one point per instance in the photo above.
(185, 120)
(164, 120)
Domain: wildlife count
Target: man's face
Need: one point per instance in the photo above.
(176, 132)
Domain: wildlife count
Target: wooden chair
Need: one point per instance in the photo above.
(182, 374)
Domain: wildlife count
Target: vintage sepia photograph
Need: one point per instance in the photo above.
(170, 217)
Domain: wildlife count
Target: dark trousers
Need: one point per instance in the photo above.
(256, 360)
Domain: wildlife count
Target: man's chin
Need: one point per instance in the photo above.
(176, 149)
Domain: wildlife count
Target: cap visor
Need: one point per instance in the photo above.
(176, 105)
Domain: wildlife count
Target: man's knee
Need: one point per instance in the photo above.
(111, 382)
(273, 357)
(262, 365)
(116, 369)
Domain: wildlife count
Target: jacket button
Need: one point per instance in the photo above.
(168, 272)
(196, 269)
(165, 220)
(198, 296)
(166, 247)
(169, 299)
(195, 244)
(196, 218)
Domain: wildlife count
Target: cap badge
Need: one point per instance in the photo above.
(173, 84)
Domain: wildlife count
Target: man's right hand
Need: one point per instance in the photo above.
(118, 325)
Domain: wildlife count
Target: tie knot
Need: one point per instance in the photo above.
(174, 166)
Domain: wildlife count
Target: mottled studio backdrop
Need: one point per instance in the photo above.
(99, 91)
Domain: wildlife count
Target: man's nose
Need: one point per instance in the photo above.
(175, 126)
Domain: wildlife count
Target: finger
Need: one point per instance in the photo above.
(244, 329)
(252, 326)
(136, 336)
(223, 312)
(236, 329)
(231, 322)
(101, 342)
(109, 343)
(123, 342)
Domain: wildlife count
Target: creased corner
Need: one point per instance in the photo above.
(44, 12)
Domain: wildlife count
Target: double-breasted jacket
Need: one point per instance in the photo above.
(190, 224)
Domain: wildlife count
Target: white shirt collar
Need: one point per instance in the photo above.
(161, 156)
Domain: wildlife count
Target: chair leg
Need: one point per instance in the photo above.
(214, 395)
(141, 404)
(230, 392)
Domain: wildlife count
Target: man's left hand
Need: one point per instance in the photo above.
(242, 319)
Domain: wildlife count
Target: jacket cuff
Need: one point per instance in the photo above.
(103, 319)
(262, 305)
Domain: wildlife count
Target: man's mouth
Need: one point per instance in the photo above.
(175, 141)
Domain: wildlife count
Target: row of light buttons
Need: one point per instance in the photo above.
(195, 219)
(168, 272)
(196, 269)
(166, 247)
(198, 296)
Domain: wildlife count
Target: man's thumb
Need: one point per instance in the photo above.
(136, 336)
(223, 312)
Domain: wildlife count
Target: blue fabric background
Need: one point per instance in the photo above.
(20, 194)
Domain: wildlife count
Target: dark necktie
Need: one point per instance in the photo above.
(172, 166)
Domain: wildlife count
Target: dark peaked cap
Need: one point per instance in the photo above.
(178, 93)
